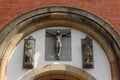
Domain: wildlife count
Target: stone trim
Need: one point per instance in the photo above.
(60, 16)
(58, 71)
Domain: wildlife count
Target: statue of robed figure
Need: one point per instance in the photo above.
(29, 50)
(87, 53)
(58, 41)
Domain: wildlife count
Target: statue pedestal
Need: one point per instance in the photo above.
(88, 65)
(28, 65)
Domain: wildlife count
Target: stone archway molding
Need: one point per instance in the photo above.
(58, 71)
(78, 19)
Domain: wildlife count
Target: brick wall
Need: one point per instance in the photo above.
(109, 10)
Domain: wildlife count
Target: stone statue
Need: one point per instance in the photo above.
(87, 50)
(29, 52)
(58, 36)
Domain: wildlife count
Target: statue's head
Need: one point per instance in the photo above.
(30, 37)
(58, 31)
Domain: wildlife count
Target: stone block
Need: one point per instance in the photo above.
(58, 9)
(91, 78)
(96, 19)
(78, 11)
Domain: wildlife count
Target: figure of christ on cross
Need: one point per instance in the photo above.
(58, 45)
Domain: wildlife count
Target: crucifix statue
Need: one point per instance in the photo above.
(58, 41)
(87, 52)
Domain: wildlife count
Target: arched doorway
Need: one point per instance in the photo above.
(60, 16)
(58, 72)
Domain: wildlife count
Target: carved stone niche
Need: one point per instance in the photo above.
(29, 51)
(58, 45)
(87, 53)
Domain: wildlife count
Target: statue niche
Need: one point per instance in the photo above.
(58, 36)
(87, 53)
(29, 50)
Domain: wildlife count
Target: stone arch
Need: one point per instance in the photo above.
(78, 19)
(58, 71)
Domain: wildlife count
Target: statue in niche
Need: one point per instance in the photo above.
(29, 47)
(58, 44)
(87, 52)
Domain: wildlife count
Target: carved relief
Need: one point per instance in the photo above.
(58, 36)
(29, 49)
(87, 53)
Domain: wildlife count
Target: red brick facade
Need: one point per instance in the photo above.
(109, 10)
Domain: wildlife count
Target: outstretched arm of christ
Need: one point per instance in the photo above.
(50, 34)
(66, 35)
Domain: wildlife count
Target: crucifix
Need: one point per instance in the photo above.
(58, 35)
